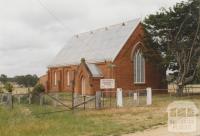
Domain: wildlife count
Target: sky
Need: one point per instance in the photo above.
(32, 32)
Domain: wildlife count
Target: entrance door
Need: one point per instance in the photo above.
(83, 90)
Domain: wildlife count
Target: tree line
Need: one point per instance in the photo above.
(24, 80)
(172, 39)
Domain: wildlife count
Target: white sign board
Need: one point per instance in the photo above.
(107, 83)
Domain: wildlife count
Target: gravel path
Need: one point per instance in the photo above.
(161, 131)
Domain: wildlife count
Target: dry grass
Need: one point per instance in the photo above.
(22, 122)
(21, 90)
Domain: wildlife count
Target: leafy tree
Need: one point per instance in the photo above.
(1, 89)
(172, 37)
(27, 80)
(197, 77)
(9, 87)
(38, 88)
(3, 78)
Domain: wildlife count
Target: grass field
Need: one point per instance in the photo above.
(22, 120)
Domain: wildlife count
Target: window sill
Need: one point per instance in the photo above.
(138, 83)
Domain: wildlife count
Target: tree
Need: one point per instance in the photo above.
(38, 88)
(3, 78)
(27, 80)
(197, 77)
(9, 87)
(1, 89)
(174, 35)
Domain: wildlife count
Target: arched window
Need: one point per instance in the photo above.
(68, 78)
(139, 67)
(83, 86)
(55, 78)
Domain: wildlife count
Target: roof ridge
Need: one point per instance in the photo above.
(104, 45)
(109, 26)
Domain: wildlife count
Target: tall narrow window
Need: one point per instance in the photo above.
(68, 78)
(139, 67)
(55, 78)
(83, 86)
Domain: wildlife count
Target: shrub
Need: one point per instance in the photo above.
(1, 90)
(38, 88)
(9, 87)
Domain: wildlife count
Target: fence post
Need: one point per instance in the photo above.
(1, 98)
(29, 98)
(149, 96)
(41, 99)
(84, 101)
(9, 100)
(72, 101)
(110, 99)
(98, 99)
(136, 98)
(19, 99)
(55, 102)
(102, 96)
(119, 97)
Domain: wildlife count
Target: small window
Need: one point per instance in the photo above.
(139, 67)
(68, 78)
(55, 78)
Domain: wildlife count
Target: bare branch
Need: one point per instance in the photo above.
(193, 43)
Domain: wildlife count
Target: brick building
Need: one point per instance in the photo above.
(43, 81)
(111, 52)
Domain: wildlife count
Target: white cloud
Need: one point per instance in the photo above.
(30, 35)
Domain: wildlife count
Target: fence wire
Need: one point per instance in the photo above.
(54, 102)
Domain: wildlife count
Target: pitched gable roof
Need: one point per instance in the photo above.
(96, 46)
(94, 69)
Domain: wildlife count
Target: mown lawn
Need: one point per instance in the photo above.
(24, 120)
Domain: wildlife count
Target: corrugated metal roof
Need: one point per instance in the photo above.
(96, 72)
(96, 46)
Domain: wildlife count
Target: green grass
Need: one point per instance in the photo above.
(22, 120)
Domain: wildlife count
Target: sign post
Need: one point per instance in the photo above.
(107, 84)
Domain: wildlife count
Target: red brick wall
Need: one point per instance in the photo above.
(82, 72)
(123, 71)
(43, 80)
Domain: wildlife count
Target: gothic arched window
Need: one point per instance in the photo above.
(139, 67)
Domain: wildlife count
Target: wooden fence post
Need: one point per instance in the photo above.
(55, 103)
(84, 101)
(41, 99)
(98, 100)
(19, 99)
(29, 98)
(2, 95)
(9, 100)
(73, 100)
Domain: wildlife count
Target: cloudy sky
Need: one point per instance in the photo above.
(33, 31)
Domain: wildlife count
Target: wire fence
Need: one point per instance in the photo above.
(71, 101)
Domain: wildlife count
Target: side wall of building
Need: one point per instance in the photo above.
(58, 79)
(124, 71)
